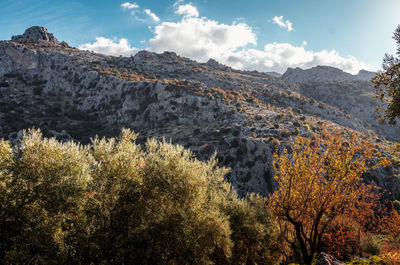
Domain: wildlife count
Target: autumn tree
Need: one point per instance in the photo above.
(391, 241)
(357, 230)
(318, 181)
(387, 84)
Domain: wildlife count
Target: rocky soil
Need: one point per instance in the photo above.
(244, 116)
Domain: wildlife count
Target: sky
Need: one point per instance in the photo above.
(263, 35)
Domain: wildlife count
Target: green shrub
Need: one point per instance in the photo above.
(372, 244)
(44, 185)
(373, 260)
(114, 202)
(164, 197)
(253, 231)
(396, 205)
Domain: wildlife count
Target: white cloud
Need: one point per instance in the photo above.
(177, 2)
(279, 56)
(153, 16)
(187, 10)
(128, 6)
(138, 14)
(283, 24)
(110, 47)
(201, 38)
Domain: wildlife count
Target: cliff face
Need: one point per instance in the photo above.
(243, 116)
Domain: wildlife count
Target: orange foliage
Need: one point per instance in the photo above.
(391, 245)
(318, 182)
(342, 237)
(391, 257)
(130, 76)
(355, 227)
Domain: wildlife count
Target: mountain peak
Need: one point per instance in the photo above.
(36, 33)
(324, 73)
(216, 65)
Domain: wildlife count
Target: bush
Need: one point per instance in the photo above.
(253, 231)
(341, 238)
(163, 198)
(396, 205)
(374, 260)
(43, 190)
(372, 244)
(114, 202)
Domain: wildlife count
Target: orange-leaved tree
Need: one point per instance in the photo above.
(318, 181)
(356, 231)
(391, 244)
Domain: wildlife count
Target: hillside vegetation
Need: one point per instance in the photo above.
(115, 202)
(327, 174)
(112, 202)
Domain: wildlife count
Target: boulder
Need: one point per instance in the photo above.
(216, 65)
(326, 259)
(62, 136)
(16, 137)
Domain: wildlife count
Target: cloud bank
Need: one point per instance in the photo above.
(211, 39)
(110, 47)
(279, 56)
(200, 38)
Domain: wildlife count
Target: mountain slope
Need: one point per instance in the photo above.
(244, 116)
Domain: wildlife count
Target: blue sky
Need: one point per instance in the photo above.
(265, 35)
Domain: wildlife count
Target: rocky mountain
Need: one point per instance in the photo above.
(274, 74)
(244, 116)
(350, 93)
(324, 73)
(365, 75)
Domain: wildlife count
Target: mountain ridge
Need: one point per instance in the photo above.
(244, 116)
(324, 73)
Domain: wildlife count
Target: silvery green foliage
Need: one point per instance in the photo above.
(387, 84)
(115, 202)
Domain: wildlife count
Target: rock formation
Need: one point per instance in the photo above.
(324, 73)
(326, 259)
(36, 33)
(244, 116)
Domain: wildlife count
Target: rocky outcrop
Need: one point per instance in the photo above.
(324, 73)
(326, 259)
(365, 75)
(352, 94)
(318, 73)
(36, 33)
(62, 136)
(212, 63)
(274, 74)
